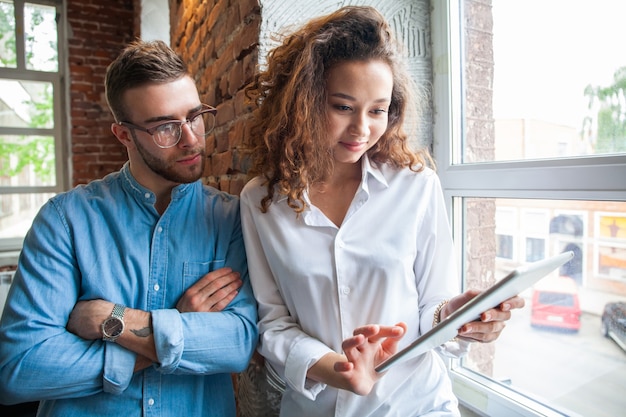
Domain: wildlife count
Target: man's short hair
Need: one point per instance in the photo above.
(140, 63)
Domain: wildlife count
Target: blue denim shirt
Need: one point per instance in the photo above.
(105, 240)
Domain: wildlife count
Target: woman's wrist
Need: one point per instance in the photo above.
(438, 310)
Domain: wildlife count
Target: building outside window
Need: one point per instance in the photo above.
(530, 141)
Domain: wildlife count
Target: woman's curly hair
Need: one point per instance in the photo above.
(288, 134)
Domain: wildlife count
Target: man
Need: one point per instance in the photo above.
(131, 296)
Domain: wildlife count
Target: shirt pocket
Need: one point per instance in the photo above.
(193, 271)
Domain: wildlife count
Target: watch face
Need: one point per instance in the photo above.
(113, 327)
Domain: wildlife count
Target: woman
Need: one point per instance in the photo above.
(349, 248)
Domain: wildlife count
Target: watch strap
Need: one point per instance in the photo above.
(118, 311)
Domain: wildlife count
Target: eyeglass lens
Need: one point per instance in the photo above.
(169, 134)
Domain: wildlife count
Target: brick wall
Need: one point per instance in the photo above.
(219, 41)
(97, 31)
(480, 246)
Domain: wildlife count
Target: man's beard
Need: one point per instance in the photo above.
(165, 170)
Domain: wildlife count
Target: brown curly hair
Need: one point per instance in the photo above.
(290, 124)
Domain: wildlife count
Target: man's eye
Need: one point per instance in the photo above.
(167, 128)
(196, 120)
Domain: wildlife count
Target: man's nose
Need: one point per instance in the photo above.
(187, 136)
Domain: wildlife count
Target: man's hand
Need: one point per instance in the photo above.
(211, 293)
(491, 322)
(87, 317)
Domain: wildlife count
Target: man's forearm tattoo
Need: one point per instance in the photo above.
(145, 332)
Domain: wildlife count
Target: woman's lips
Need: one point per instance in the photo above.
(353, 146)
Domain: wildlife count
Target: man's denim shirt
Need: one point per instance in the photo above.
(105, 240)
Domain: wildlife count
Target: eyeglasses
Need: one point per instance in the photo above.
(168, 133)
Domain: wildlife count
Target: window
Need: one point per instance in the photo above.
(535, 227)
(505, 230)
(530, 142)
(611, 249)
(32, 164)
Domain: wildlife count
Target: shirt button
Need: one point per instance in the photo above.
(341, 244)
(160, 229)
(156, 287)
(151, 402)
(345, 290)
(147, 195)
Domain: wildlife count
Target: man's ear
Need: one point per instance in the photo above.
(122, 134)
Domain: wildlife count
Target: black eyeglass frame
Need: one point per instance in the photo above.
(152, 130)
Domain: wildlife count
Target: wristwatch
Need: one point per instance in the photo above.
(113, 327)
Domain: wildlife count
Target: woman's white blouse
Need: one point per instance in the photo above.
(391, 261)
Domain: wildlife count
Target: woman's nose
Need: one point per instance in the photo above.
(359, 125)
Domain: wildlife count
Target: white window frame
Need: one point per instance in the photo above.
(584, 178)
(57, 79)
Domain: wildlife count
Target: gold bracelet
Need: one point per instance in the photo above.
(437, 316)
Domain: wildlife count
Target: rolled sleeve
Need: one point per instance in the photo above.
(168, 338)
(118, 368)
(304, 354)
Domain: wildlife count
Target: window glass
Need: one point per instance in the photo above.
(611, 251)
(557, 349)
(27, 104)
(8, 56)
(27, 160)
(549, 82)
(40, 37)
(17, 212)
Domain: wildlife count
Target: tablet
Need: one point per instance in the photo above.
(512, 284)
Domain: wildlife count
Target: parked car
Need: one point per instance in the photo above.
(555, 304)
(614, 322)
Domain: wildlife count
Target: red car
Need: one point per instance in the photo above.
(555, 304)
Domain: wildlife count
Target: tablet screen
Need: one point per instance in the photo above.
(512, 284)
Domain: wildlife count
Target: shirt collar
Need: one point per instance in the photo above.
(370, 169)
(147, 195)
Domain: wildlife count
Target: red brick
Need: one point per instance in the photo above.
(219, 41)
(98, 34)
(221, 162)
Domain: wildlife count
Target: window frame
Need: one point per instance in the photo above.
(585, 178)
(58, 81)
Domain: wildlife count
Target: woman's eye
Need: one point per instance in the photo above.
(342, 107)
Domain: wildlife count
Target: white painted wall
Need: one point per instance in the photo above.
(155, 20)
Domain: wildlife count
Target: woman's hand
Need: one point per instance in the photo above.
(355, 371)
(370, 346)
(491, 322)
